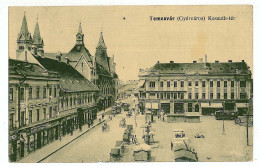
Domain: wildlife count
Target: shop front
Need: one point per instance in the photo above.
(211, 108)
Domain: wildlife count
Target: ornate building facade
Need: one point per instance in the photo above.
(48, 98)
(203, 88)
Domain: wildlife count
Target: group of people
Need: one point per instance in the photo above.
(104, 127)
(133, 139)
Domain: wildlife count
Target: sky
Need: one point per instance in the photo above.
(136, 41)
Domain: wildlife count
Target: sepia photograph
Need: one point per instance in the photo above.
(90, 84)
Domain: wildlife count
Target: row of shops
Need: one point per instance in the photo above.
(202, 108)
(30, 138)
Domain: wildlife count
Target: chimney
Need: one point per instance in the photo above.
(158, 61)
(229, 60)
(58, 57)
(216, 61)
(243, 60)
(194, 61)
(171, 61)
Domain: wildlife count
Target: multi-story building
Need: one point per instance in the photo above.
(99, 69)
(47, 98)
(180, 88)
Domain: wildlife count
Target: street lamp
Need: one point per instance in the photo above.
(223, 119)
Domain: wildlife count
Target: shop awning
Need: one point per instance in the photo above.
(241, 105)
(141, 83)
(211, 105)
(151, 106)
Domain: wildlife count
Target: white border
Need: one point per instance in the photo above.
(4, 4)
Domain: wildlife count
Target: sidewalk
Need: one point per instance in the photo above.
(53, 147)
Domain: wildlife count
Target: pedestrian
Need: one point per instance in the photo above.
(60, 138)
(99, 120)
(171, 146)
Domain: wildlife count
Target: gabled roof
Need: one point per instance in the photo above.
(76, 52)
(101, 42)
(37, 36)
(23, 68)
(102, 70)
(24, 32)
(202, 68)
(71, 79)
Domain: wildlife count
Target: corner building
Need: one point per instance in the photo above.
(181, 88)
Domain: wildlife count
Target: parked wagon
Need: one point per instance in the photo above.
(142, 153)
(115, 154)
(185, 156)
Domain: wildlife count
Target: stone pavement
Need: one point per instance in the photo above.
(56, 145)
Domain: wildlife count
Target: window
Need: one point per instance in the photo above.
(11, 121)
(175, 83)
(152, 94)
(74, 101)
(44, 92)
(50, 112)
(11, 94)
(22, 93)
(30, 116)
(55, 91)
(225, 83)
(203, 95)
(189, 83)
(211, 83)
(242, 95)
(61, 103)
(189, 107)
(182, 95)
(54, 111)
(182, 83)
(196, 95)
(67, 102)
(175, 95)
(38, 115)
(225, 95)
(196, 83)
(242, 83)
(211, 95)
(203, 83)
(37, 92)
(218, 95)
(232, 84)
(152, 84)
(23, 118)
(218, 83)
(168, 84)
(21, 47)
(168, 95)
(50, 91)
(44, 113)
(161, 95)
(232, 95)
(30, 92)
(161, 84)
(189, 95)
(70, 101)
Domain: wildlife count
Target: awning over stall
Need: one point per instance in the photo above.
(151, 106)
(241, 105)
(211, 105)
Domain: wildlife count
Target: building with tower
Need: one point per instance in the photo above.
(48, 98)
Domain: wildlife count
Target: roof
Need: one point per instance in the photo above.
(185, 154)
(23, 68)
(71, 79)
(77, 51)
(24, 33)
(37, 36)
(101, 42)
(52, 55)
(202, 68)
(102, 70)
(80, 29)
